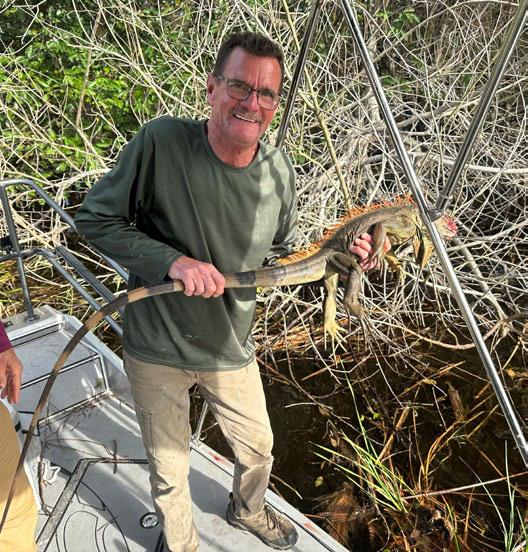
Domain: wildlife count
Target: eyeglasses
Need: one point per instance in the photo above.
(239, 90)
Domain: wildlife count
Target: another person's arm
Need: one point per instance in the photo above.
(10, 369)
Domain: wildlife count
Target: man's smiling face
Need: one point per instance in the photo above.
(241, 123)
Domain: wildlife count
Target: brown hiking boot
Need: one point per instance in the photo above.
(269, 526)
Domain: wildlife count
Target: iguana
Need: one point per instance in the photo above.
(327, 259)
(330, 258)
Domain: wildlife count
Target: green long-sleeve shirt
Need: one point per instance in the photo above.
(170, 195)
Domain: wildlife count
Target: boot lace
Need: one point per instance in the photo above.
(273, 520)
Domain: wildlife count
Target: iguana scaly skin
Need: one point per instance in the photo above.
(328, 259)
(331, 258)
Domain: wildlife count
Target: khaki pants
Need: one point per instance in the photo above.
(18, 532)
(236, 397)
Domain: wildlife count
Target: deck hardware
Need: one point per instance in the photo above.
(149, 520)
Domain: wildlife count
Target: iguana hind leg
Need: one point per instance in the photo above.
(330, 325)
(348, 265)
(351, 299)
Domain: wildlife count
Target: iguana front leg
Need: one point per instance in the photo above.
(395, 266)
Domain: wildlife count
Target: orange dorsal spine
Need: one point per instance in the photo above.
(399, 201)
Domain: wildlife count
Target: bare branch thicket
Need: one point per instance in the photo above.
(434, 78)
(434, 73)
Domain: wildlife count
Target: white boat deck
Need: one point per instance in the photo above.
(96, 488)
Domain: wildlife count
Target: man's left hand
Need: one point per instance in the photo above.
(362, 247)
(10, 375)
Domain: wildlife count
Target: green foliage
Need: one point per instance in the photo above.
(514, 527)
(401, 83)
(399, 23)
(51, 64)
(384, 486)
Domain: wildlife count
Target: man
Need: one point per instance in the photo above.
(190, 200)
(19, 528)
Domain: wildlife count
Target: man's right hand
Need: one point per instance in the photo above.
(198, 278)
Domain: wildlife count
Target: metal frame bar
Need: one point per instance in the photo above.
(85, 274)
(311, 25)
(503, 57)
(52, 258)
(64, 370)
(4, 184)
(17, 254)
(412, 178)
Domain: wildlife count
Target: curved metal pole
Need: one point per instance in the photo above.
(484, 104)
(195, 437)
(458, 293)
(301, 61)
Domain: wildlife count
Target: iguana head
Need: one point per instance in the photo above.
(446, 226)
(423, 248)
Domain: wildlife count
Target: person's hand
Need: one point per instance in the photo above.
(10, 375)
(198, 278)
(362, 247)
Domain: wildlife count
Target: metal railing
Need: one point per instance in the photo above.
(16, 253)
